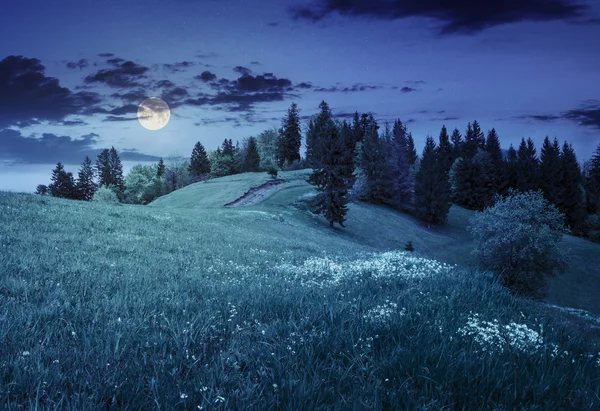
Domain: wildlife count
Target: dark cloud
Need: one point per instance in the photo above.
(540, 117)
(206, 76)
(242, 70)
(115, 61)
(255, 63)
(164, 84)
(124, 75)
(105, 55)
(80, 64)
(407, 89)
(174, 96)
(461, 16)
(177, 67)
(116, 118)
(587, 115)
(72, 123)
(337, 89)
(414, 82)
(273, 24)
(134, 96)
(27, 94)
(127, 109)
(209, 55)
(304, 85)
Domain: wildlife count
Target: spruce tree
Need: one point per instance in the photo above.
(333, 179)
(57, 185)
(478, 136)
(401, 178)
(373, 163)
(160, 169)
(496, 163)
(470, 144)
(457, 145)
(445, 150)
(511, 170)
(116, 169)
(41, 189)
(412, 151)
(199, 164)
(86, 186)
(324, 125)
(570, 199)
(592, 183)
(432, 190)
(310, 141)
(103, 169)
(290, 137)
(550, 170)
(527, 167)
(252, 158)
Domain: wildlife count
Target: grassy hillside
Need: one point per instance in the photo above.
(186, 304)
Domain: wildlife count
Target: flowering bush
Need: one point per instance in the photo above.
(518, 239)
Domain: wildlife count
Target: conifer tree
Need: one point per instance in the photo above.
(550, 170)
(160, 169)
(59, 182)
(252, 158)
(457, 145)
(103, 168)
(401, 178)
(527, 166)
(310, 140)
(496, 163)
(592, 183)
(478, 136)
(199, 164)
(86, 187)
(511, 170)
(412, 151)
(570, 199)
(470, 144)
(432, 190)
(334, 178)
(41, 189)
(290, 137)
(373, 162)
(324, 125)
(445, 150)
(116, 170)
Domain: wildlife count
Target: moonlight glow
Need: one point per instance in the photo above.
(154, 113)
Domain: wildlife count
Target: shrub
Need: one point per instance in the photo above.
(592, 227)
(518, 238)
(106, 194)
(409, 246)
(272, 172)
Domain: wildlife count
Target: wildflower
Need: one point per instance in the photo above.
(183, 396)
(25, 353)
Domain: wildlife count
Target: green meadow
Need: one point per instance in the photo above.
(187, 304)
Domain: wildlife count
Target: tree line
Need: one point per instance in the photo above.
(360, 159)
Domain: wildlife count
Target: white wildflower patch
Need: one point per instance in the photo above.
(381, 314)
(393, 264)
(492, 336)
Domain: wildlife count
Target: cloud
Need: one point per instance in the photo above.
(540, 117)
(127, 109)
(256, 63)
(133, 96)
(337, 89)
(407, 89)
(414, 82)
(587, 115)
(463, 16)
(115, 61)
(304, 85)
(273, 24)
(105, 55)
(80, 64)
(124, 75)
(209, 55)
(27, 94)
(178, 67)
(206, 76)
(116, 118)
(72, 123)
(242, 70)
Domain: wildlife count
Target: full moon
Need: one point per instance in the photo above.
(154, 113)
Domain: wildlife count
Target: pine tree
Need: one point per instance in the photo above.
(160, 169)
(324, 125)
(335, 178)
(445, 150)
(311, 138)
(592, 183)
(199, 164)
(373, 163)
(103, 168)
(496, 163)
(57, 179)
(117, 177)
(227, 149)
(510, 170)
(412, 151)
(432, 190)
(457, 145)
(290, 137)
(41, 190)
(252, 158)
(470, 144)
(86, 187)
(401, 178)
(550, 170)
(570, 199)
(479, 137)
(527, 166)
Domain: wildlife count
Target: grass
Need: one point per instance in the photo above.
(263, 307)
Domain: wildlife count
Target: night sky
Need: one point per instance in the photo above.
(73, 72)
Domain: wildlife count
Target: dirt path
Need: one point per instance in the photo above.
(256, 194)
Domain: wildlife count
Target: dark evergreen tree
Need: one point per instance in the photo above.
(160, 169)
(104, 172)
(290, 138)
(399, 166)
(373, 163)
(334, 178)
(252, 158)
(41, 189)
(432, 189)
(511, 170)
(199, 164)
(56, 180)
(457, 145)
(116, 169)
(445, 150)
(570, 199)
(496, 164)
(86, 186)
(527, 166)
(592, 183)
(550, 170)
(412, 151)
(227, 149)
(470, 144)
(478, 136)
(324, 125)
(311, 141)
